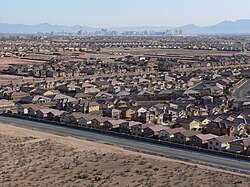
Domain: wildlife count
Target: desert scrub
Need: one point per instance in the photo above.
(142, 162)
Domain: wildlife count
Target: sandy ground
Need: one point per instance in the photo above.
(5, 62)
(32, 158)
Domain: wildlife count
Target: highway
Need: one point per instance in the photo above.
(243, 90)
(197, 157)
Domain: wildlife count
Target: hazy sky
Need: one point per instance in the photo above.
(123, 12)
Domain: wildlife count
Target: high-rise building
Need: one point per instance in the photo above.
(178, 32)
(80, 32)
(168, 32)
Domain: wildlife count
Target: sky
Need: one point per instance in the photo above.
(110, 13)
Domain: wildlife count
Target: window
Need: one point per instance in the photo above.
(216, 143)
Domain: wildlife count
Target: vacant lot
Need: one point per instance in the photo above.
(31, 158)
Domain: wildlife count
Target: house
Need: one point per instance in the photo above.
(207, 99)
(92, 106)
(225, 127)
(153, 131)
(126, 127)
(81, 95)
(240, 104)
(122, 94)
(243, 114)
(138, 129)
(213, 109)
(118, 103)
(42, 92)
(240, 146)
(43, 113)
(32, 110)
(143, 81)
(82, 105)
(104, 95)
(184, 136)
(220, 143)
(35, 99)
(22, 109)
(204, 120)
(117, 83)
(190, 92)
(115, 89)
(127, 112)
(69, 88)
(65, 118)
(113, 124)
(168, 133)
(191, 124)
(201, 140)
(55, 115)
(106, 104)
(165, 93)
(160, 108)
(146, 93)
(214, 90)
(103, 85)
(140, 110)
(86, 119)
(72, 118)
(112, 113)
(173, 114)
(14, 95)
(98, 122)
(147, 117)
(192, 110)
(90, 90)
(184, 100)
(87, 85)
(59, 97)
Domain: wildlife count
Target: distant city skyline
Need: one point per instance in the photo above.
(118, 13)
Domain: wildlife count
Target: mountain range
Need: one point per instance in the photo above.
(241, 26)
(226, 27)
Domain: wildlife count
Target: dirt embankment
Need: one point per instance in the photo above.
(31, 158)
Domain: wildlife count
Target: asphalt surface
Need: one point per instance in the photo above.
(243, 90)
(198, 157)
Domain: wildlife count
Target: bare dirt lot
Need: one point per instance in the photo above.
(5, 62)
(31, 158)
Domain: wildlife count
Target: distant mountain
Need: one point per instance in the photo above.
(44, 27)
(190, 28)
(226, 27)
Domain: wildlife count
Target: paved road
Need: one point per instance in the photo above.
(136, 145)
(243, 90)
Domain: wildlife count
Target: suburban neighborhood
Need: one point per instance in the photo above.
(179, 98)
